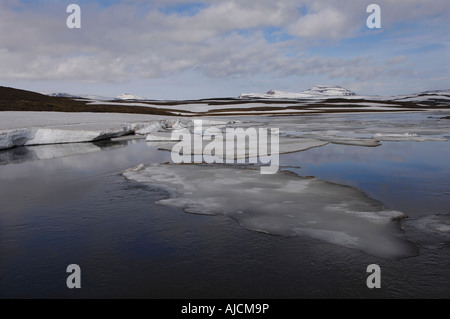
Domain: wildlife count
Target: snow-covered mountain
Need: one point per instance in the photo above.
(128, 97)
(68, 95)
(437, 92)
(78, 96)
(316, 91)
(435, 97)
(329, 91)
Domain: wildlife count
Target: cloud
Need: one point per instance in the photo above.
(396, 60)
(329, 23)
(127, 40)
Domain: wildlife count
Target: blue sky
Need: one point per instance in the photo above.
(176, 49)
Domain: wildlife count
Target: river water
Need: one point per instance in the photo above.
(79, 209)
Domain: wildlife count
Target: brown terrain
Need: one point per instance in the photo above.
(12, 99)
(20, 100)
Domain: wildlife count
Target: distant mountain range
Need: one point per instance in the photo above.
(316, 91)
(434, 97)
(318, 99)
(122, 97)
(68, 95)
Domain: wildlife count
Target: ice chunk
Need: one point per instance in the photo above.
(407, 137)
(69, 134)
(15, 137)
(282, 204)
(338, 139)
(57, 136)
(150, 128)
(160, 137)
(369, 142)
(243, 149)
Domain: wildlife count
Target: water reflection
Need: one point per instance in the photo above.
(412, 177)
(77, 209)
(41, 152)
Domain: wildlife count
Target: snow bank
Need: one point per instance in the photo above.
(37, 128)
(17, 137)
(58, 136)
(150, 128)
(43, 136)
(281, 204)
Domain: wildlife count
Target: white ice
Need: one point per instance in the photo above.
(243, 149)
(407, 137)
(281, 204)
(44, 136)
(37, 128)
(25, 128)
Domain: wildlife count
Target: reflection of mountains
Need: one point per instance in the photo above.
(33, 153)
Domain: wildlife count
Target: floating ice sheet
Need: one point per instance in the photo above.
(281, 204)
(243, 149)
(407, 137)
(337, 139)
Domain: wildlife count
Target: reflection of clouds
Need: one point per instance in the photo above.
(43, 152)
(407, 176)
(114, 157)
(426, 160)
(63, 178)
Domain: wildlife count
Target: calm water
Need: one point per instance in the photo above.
(79, 209)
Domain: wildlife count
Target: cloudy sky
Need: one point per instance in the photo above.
(176, 49)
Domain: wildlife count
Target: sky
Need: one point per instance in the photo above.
(181, 49)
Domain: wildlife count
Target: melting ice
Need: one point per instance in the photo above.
(281, 204)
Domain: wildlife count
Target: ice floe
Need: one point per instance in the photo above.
(38, 128)
(150, 128)
(407, 137)
(242, 148)
(57, 136)
(281, 204)
(15, 137)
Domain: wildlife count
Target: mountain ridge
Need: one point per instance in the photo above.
(315, 91)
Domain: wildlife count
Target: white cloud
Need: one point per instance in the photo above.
(329, 23)
(396, 60)
(223, 39)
